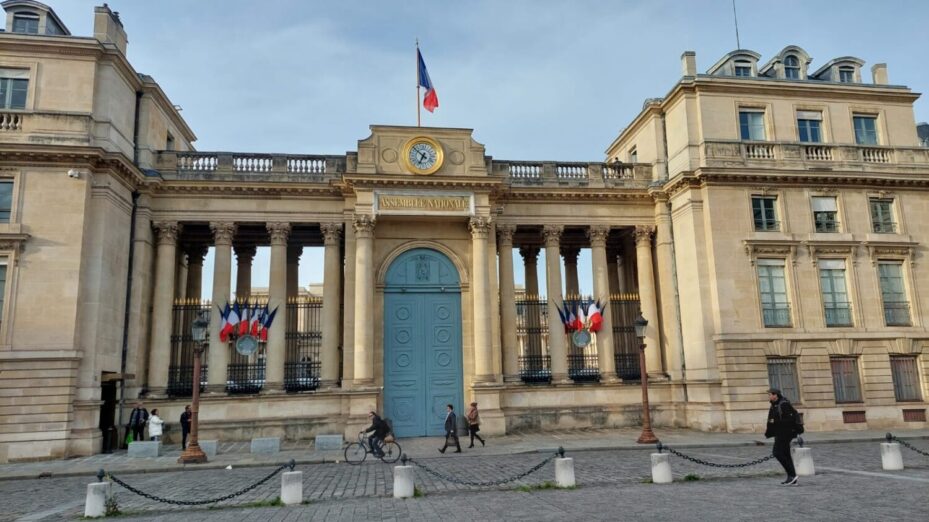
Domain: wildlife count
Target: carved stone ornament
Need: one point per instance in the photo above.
(597, 235)
(195, 253)
(530, 254)
(166, 232)
(570, 255)
(819, 250)
(245, 254)
(552, 234)
(13, 243)
(279, 232)
(505, 234)
(480, 227)
(771, 250)
(643, 234)
(223, 232)
(364, 225)
(332, 233)
(899, 252)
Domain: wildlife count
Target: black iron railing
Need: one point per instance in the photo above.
(532, 324)
(245, 378)
(776, 316)
(838, 314)
(583, 367)
(180, 368)
(627, 366)
(897, 313)
(623, 309)
(303, 338)
(180, 380)
(534, 369)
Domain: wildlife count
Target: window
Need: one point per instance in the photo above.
(825, 214)
(633, 155)
(882, 216)
(847, 74)
(809, 126)
(743, 69)
(751, 124)
(169, 142)
(836, 305)
(865, 130)
(792, 68)
(26, 23)
(845, 379)
(893, 293)
(6, 201)
(906, 378)
(14, 85)
(775, 308)
(764, 213)
(782, 375)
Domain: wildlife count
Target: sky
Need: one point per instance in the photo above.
(536, 80)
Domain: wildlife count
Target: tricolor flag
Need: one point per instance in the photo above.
(431, 101)
(595, 316)
(244, 319)
(266, 324)
(230, 322)
(258, 320)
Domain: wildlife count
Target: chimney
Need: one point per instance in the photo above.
(108, 29)
(689, 63)
(879, 73)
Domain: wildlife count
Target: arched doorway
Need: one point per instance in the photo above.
(422, 342)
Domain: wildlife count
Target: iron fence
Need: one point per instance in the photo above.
(583, 367)
(535, 368)
(245, 378)
(180, 368)
(180, 380)
(303, 338)
(624, 308)
(627, 366)
(532, 325)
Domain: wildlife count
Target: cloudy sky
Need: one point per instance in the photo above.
(534, 79)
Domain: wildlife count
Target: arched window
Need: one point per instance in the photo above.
(792, 68)
(26, 22)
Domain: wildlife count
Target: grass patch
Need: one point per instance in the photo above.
(271, 502)
(646, 480)
(418, 493)
(691, 477)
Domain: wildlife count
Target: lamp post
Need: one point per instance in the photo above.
(647, 436)
(193, 454)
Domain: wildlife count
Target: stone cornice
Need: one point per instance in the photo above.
(247, 189)
(95, 158)
(552, 193)
(350, 181)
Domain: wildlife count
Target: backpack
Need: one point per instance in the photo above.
(389, 437)
(798, 418)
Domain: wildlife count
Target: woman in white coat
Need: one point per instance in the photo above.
(155, 426)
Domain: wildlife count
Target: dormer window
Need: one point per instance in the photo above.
(792, 68)
(26, 23)
(743, 69)
(847, 74)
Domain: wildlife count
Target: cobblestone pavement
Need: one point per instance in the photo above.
(849, 475)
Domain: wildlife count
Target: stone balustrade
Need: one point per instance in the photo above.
(546, 173)
(288, 167)
(11, 121)
(721, 153)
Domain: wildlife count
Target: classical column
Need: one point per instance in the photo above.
(195, 255)
(509, 341)
(276, 353)
(293, 270)
(348, 304)
(572, 286)
(162, 301)
(618, 273)
(180, 283)
(557, 347)
(601, 273)
(647, 300)
(364, 299)
(480, 292)
(664, 260)
(244, 255)
(533, 318)
(223, 233)
(332, 289)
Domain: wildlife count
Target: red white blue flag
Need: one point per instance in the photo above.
(431, 100)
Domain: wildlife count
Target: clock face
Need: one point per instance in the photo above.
(423, 156)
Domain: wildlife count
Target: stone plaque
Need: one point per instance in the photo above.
(417, 204)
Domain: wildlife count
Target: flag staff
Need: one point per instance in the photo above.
(417, 83)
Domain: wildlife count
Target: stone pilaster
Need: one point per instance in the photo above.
(162, 305)
(664, 260)
(601, 277)
(244, 255)
(647, 297)
(332, 290)
(480, 285)
(364, 299)
(509, 341)
(572, 285)
(277, 299)
(218, 360)
(557, 345)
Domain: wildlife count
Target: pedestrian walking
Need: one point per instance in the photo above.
(185, 426)
(451, 429)
(155, 425)
(474, 423)
(783, 425)
(137, 419)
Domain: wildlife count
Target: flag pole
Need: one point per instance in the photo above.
(417, 84)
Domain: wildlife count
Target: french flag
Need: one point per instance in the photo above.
(266, 325)
(258, 320)
(595, 316)
(244, 319)
(231, 319)
(431, 101)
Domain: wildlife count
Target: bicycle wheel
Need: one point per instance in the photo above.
(392, 452)
(355, 453)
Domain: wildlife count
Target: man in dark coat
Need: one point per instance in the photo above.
(378, 429)
(185, 426)
(137, 420)
(782, 425)
(451, 429)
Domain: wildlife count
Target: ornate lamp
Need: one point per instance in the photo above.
(647, 436)
(198, 331)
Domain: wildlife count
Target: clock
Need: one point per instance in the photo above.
(423, 155)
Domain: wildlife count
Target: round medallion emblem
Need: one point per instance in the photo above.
(246, 345)
(581, 338)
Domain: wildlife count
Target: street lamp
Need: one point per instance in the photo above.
(193, 454)
(647, 436)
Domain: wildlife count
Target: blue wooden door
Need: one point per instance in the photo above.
(422, 342)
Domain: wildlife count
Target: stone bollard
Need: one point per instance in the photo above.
(403, 482)
(95, 503)
(891, 459)
(661, 468)
(564, 472)
(803, 461)
(292, 488)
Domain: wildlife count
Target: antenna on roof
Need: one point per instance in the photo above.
(735, 16)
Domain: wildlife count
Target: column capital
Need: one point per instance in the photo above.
(570, 255)
(480, 227)
(364, 225)
(167, 232)
(643, 235)
(505, 233)
(598, 234)
(195, 253)
(293, 253)
(332, 233)
(279, 233)
(244, 254)
(223, 232)
(552, 234)
(530, 254)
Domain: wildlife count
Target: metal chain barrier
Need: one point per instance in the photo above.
(102, 474)
(713, 464)
(893, 438)
(489, 483)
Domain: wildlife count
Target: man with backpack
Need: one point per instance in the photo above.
(783, 424)
(380, 429)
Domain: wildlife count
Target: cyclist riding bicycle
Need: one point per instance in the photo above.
(380, 429)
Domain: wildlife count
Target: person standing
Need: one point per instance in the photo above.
(474, 423)
(185, 426)
(451, 429)
(783, 420)
(137, 420)
(155, 426)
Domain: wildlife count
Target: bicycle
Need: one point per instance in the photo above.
(356, 452)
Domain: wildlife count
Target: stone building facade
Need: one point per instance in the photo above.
(764, 219)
